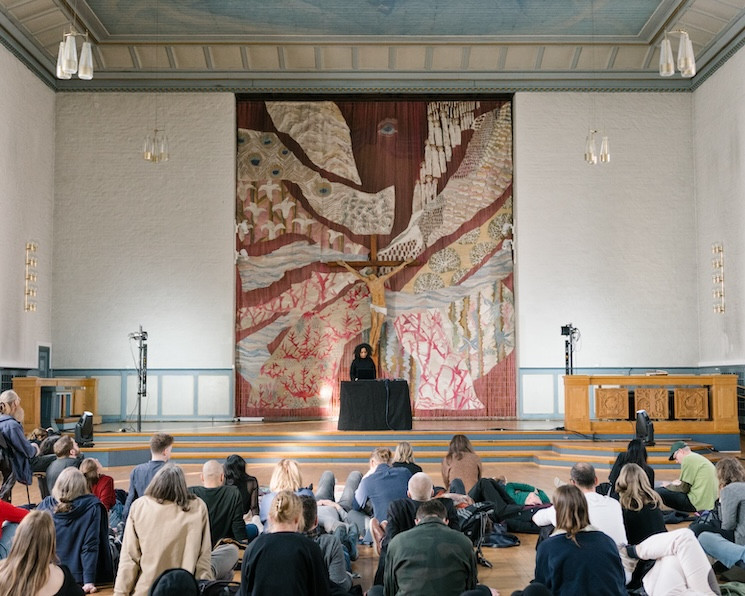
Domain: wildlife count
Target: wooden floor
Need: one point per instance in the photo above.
(513, 567)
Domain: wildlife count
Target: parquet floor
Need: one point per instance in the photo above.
(513, 567)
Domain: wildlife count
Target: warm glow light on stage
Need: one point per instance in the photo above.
(326, 392)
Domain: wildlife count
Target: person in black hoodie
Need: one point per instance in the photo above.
(363, 366)
(82, 528)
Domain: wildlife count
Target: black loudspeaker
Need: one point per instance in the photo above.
(644, 428)
(84, 430)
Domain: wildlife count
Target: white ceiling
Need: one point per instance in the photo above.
(374, 45)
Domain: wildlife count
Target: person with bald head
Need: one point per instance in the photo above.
(401, 515)
(224, 504)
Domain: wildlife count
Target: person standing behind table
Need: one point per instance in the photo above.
(363, 366)
(31, 568)
(16, 465)
(696, 490)
(284, 562)
(167, 527)
(577, 558)
(161, 445)
(460, 463)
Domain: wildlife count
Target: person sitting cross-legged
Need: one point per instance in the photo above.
(430, 558)
(696, 489)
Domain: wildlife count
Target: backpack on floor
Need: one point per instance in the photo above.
(475, 522)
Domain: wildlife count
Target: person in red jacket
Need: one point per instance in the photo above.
(99, 484)
(13, 515)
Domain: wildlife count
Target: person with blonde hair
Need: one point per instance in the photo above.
(167, 527)
(283, 561)
(403, 457)
(31, 568)
(640, 503)
(461, 467)
(82, 528)
(16, 461)
(285, 476)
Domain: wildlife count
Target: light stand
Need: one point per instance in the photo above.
(571, 334)
(141, 337)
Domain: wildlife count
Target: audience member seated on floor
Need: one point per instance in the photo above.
(430, 558)
(167, 527)
(641, 505)
(726, 543)
(68, 456)
(578, 558)
(401, 516)
(17, 461)
(368, 496)
(642, 514)
(333, 553)
(681, 566)
(99, 484)
(461, 463)
(13, 515)
(731, 477)
(283, 561)
(636, 453)
(287, 476)
(403, 457)
(82, 527)
(605, 512)
(31, 568)
(224, 505)
(248, 488)
(696, 489)
(161, 445)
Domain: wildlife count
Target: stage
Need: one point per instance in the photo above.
(318, 441)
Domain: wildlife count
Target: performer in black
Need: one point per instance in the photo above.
(363, 366)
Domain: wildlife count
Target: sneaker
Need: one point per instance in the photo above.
(558, 482)
(256, 521)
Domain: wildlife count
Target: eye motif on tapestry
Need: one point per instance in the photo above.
(422, 190)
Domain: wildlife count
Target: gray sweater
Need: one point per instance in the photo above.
(732, 503)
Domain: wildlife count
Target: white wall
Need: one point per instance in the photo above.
(610, 248)
(142, 243)
(719, 129)
(26, 204)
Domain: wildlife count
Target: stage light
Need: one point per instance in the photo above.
(644, 428)
(84, 430)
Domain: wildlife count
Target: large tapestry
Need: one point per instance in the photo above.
(334, 197)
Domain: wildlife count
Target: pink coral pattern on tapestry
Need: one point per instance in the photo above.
(445, 383)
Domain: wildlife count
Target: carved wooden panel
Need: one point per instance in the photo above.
(691, 403)
(654, 400)
(612, 403)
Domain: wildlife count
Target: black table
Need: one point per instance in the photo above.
(374, 405)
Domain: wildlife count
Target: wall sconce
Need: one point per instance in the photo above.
(717, 278)
(30, 288)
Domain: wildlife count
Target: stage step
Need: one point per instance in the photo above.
(548, 448)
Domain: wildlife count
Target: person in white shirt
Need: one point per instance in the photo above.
(605, 512)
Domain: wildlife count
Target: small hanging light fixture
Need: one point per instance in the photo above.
(67, 55)
(155, 145)
(686, 62)
(591, 153)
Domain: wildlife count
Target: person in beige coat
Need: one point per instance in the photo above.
(168, 527)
